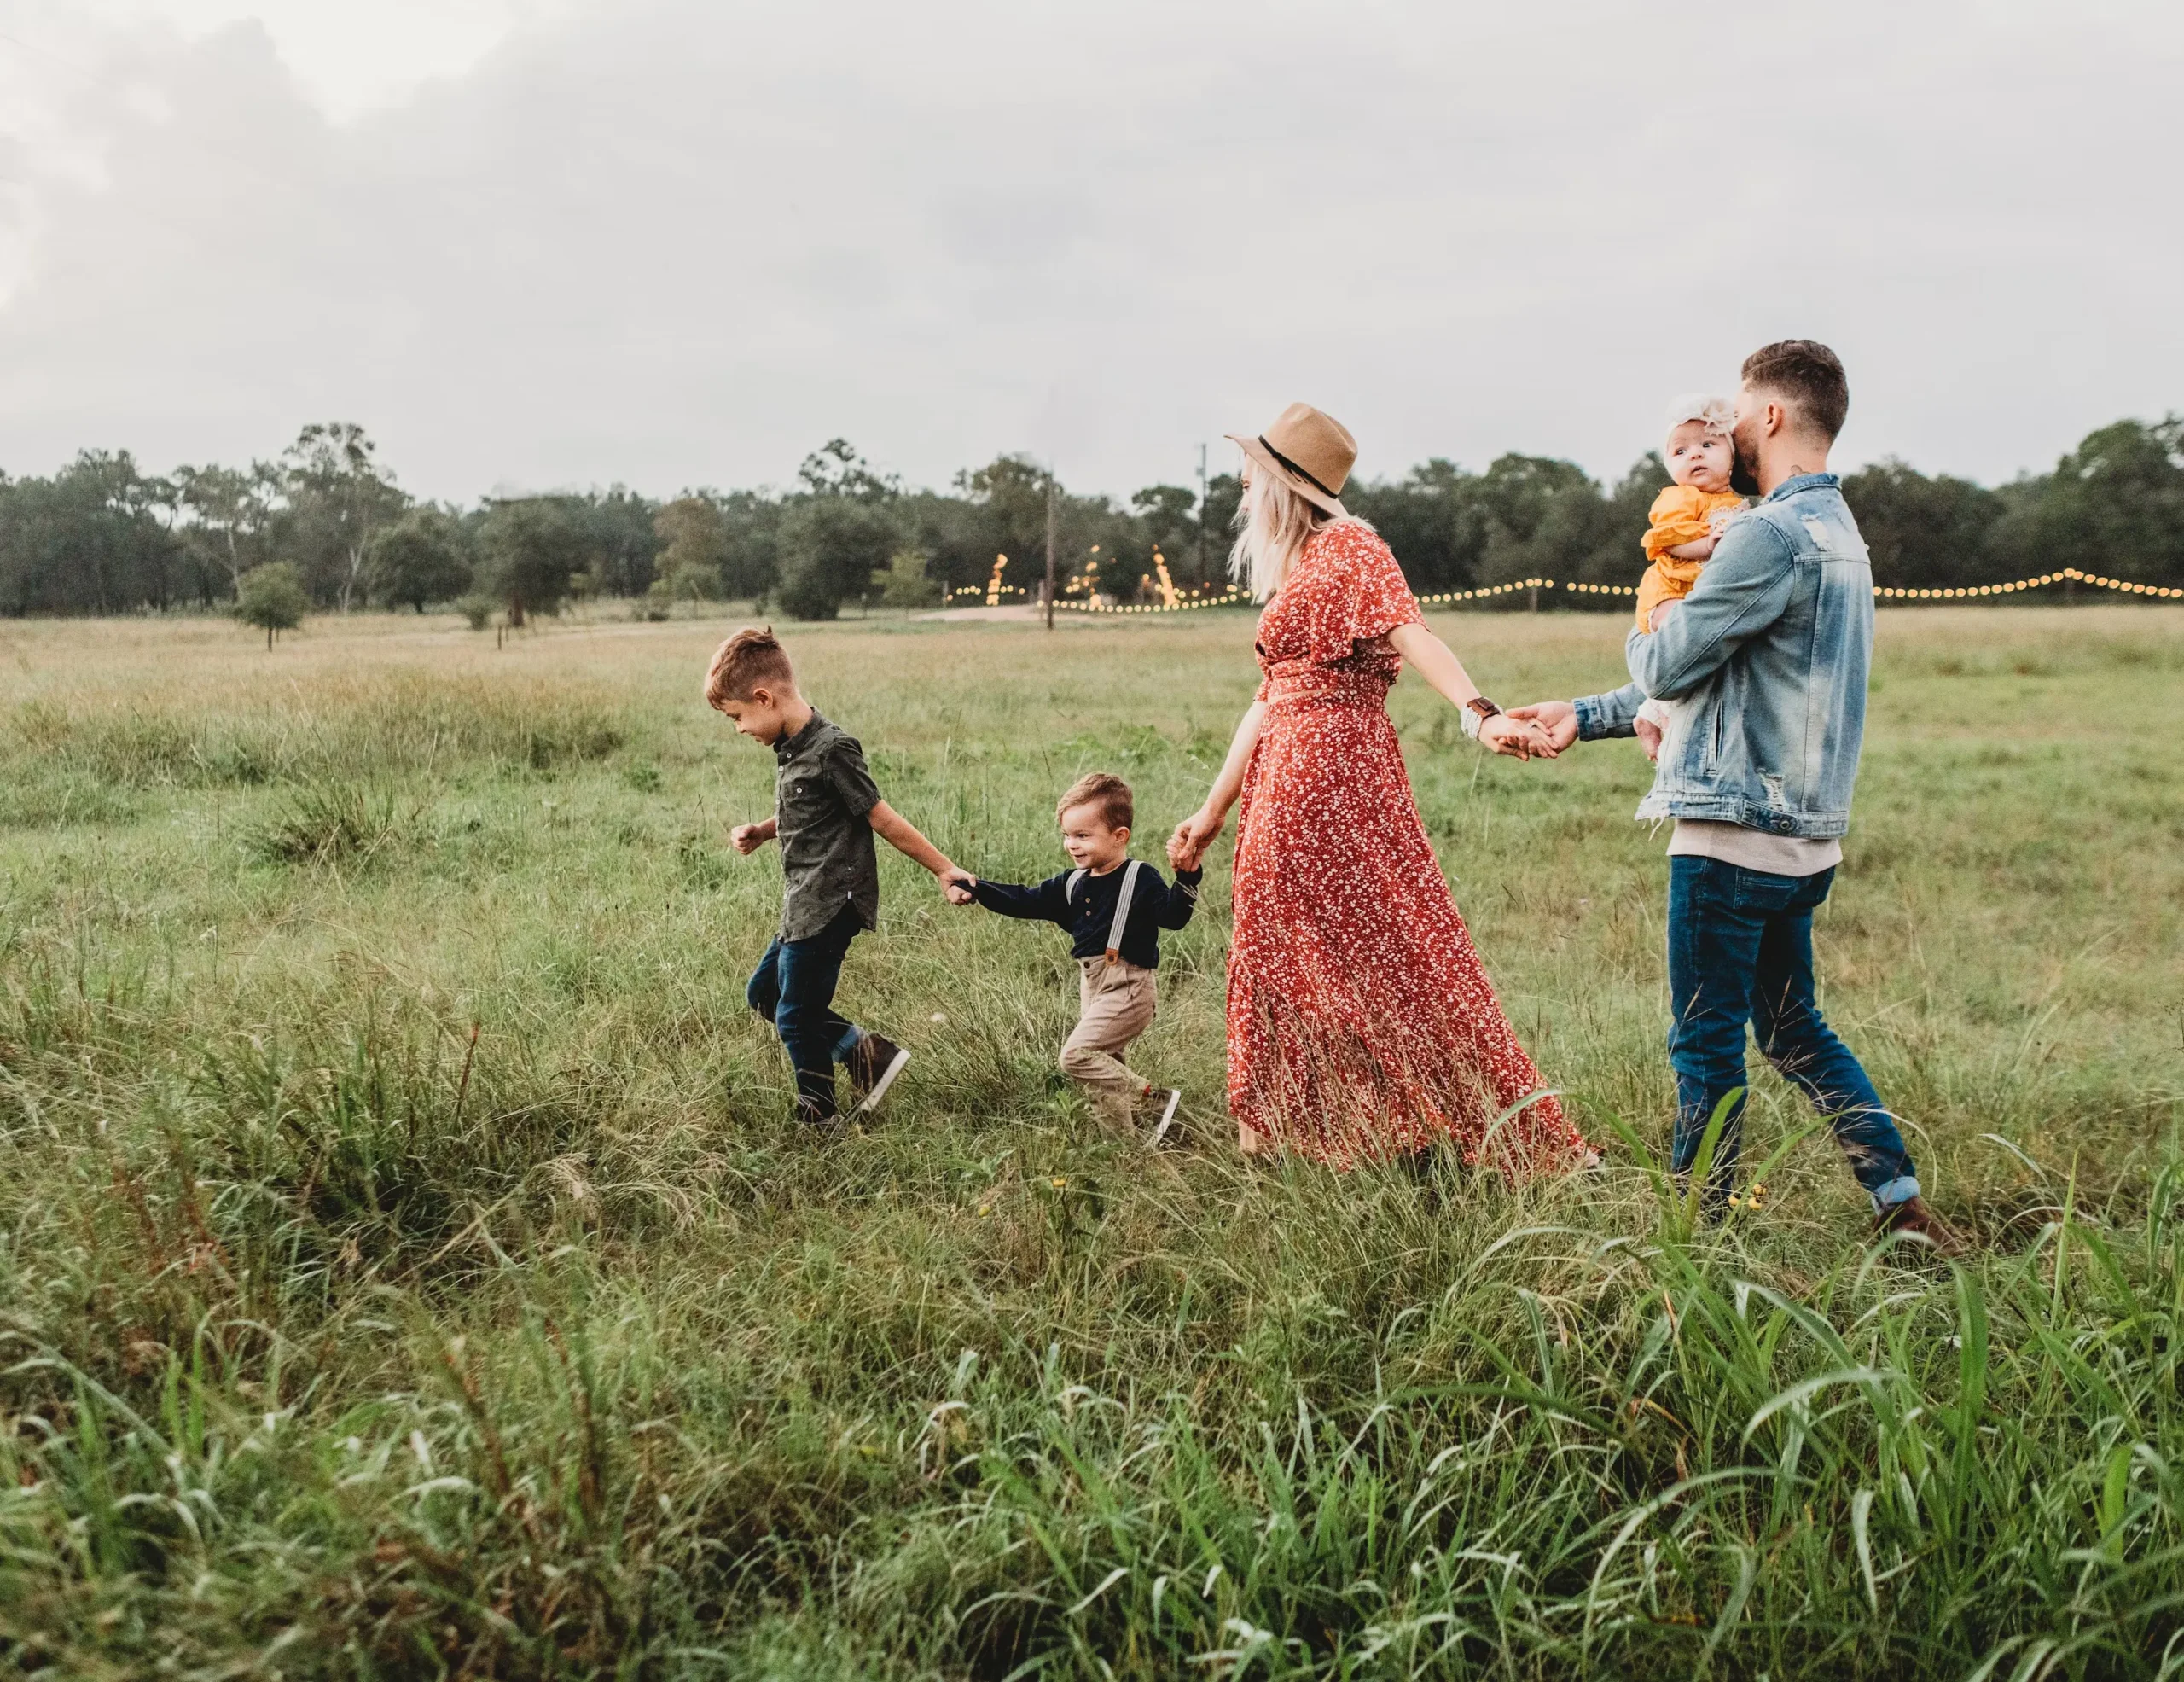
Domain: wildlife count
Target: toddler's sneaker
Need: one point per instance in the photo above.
(873, 1067)
(1165, 1133)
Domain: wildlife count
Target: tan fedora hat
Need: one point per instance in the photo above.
(1310, 452)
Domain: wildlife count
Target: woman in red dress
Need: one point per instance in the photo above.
(1361, 1024)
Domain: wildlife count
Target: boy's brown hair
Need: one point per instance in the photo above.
(750, 658)
(1109, 794)
(1808, 373)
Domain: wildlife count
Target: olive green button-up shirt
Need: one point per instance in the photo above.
(823, 795)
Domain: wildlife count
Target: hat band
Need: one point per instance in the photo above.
(1309, 477)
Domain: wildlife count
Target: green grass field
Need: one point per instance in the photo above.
(334, 1345)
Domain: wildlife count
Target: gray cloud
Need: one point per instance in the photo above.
(683, 243)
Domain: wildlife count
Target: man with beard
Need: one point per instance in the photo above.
(1769, 651)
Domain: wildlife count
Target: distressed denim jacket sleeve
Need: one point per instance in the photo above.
(1743, 591)
(1609, 714)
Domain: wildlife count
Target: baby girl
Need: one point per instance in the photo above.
(1686, 521)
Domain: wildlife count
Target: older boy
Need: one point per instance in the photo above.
(1114, 909)
(827, 810)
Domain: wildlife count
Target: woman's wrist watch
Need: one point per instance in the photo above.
(1477, 711)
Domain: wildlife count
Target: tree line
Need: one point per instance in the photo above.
(103, 536)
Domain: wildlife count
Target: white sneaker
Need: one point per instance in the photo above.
(873, 1067)
(1164, 1134)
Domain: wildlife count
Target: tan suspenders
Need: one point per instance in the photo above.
(1122, 905)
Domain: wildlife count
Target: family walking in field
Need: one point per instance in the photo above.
(1361, 1021)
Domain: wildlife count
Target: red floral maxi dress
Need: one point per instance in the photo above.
(1361, 1024)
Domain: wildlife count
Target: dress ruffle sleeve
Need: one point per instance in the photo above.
(1383, 601)
(1349, 591)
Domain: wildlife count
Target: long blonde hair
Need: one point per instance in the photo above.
(1273, 526)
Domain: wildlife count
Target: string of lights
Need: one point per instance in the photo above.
(1232, 596)
(995, 592)
(2071, 573)
(1516, 584)
(1451, 597)
(1183, 604)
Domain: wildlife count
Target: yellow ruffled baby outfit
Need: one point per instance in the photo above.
(1682, 513)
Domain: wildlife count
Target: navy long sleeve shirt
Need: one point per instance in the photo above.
(1089, 913)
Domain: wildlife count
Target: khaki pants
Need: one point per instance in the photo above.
(1115, 1005)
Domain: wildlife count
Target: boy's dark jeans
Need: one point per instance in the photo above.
(794, 988)
(1740, 951)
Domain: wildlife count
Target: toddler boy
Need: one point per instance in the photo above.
(1114, 908)
(826, 812)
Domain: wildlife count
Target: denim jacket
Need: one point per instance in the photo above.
(1768, 654)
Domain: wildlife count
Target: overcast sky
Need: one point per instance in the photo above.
(676, 243)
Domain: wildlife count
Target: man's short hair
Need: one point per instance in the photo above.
(1808, 375)
(1109, 794)
(751, 658)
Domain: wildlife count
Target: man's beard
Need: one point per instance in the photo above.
(1743, 472)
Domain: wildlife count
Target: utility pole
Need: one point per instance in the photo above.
(1201, 514)
(1052, 500)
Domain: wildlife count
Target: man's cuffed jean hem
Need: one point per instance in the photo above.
(847, 1043)
(1901, 1190)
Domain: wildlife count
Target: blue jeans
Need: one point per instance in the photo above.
(794, 988)
(1740, 951)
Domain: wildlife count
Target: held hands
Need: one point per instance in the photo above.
(1518, 738)
(957, 884)
(1196, 833)
(1558, 719)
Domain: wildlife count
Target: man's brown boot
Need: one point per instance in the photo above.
(1913, 1216)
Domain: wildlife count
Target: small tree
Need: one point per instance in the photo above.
(693, 545)
(685, 581)
(272, 596)
(420, 558)
(531, 548)
(904, 583)
(830, 546)
(751, 520)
